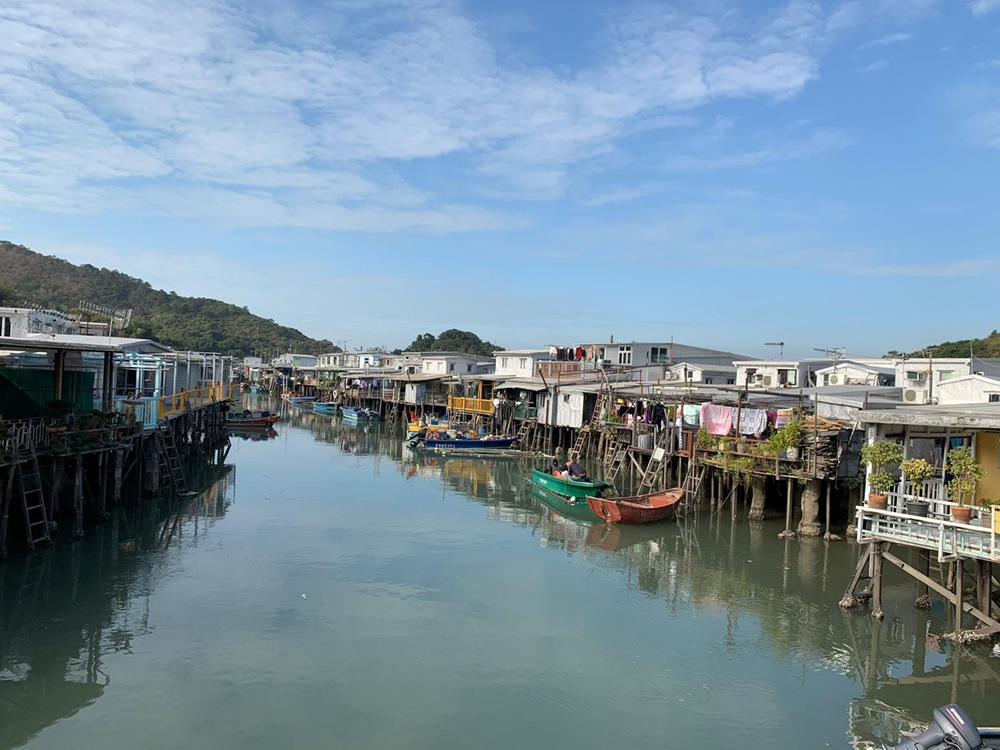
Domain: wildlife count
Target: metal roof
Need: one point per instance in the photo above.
(981, 416)
(419, 377)
(52, 342)
(521, 384)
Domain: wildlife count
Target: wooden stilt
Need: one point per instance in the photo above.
(876, 584)
(78, 499)
(924, 568)
(959, 571)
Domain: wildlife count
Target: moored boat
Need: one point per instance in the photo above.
(355, 414)
(325, 407)
(573, 508)
(656, 506)
(569, 487)
(478, 443)
(249, 418)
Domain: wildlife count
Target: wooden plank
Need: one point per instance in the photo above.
(932, 584)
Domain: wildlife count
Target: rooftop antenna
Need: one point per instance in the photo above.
(780, 345)
(116, 316)
(834, 352)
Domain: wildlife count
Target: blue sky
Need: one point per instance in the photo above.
(718, 172)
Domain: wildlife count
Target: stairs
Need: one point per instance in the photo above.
(692, 481)
(170, 460)
(619, 457)
(36, 516)
(583, 437)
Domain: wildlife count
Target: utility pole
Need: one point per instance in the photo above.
(780, 345)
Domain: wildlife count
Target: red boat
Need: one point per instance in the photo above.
(656, 506)
(251, 419)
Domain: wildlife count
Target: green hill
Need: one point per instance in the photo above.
(194, 323)
(984, 347)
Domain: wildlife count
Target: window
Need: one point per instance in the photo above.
(912, 375)
(994, 398)
(468, 368)
(451, 367)
(730, 381)
(945, 375)
(708, 381)
(826, 378)
(565, 398)
(624, 355)
(5, 326)
(505, 362)
(787, 377)
(659, 355)
(522, 362)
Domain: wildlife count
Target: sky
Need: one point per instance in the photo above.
(718, 173)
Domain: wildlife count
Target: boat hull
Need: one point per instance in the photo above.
(475, 443)
(324, 408)
(658, 506)
(350, 414)
(574, 509)
(568, 487)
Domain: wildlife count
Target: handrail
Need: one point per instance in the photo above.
(474, 405)
(878, 515)
(180, 403)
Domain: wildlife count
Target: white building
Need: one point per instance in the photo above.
(295, 360)
(519, 363)
(646, 354)
(695, 374)
(19, 322)
(455, 363)
(968, 389)
(854, 372)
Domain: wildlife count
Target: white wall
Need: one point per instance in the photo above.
(566, 411)
(970, 389)
(517, 365)
(943, 370)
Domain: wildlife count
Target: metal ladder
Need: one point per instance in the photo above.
(522, 433)
(36, 515)
(170, 460)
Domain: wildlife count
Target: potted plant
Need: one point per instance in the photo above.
(917, 471)
(966, 473)
(879, 456)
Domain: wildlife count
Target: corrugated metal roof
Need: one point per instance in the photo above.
(521, 385)
(45, 342)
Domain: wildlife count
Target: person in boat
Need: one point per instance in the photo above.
(577, 472)
(557, 469)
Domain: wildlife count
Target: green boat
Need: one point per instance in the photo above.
(575, 509)
(569, 487)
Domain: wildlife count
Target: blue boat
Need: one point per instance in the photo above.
(483, 443)
(354, 414)
(325, 407)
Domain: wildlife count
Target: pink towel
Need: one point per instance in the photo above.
(717, 419)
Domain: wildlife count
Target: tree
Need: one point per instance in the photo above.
(453, 340)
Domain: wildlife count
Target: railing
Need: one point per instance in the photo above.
(23, 434)
(180, 403)
(474, 405)
(931, 491)
(945, 536)
(525, 412)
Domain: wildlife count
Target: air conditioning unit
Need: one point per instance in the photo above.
(915, 395)
(767, 381)
(836, 379)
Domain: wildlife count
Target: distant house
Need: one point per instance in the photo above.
(695, 374)
(295, 361)
(455, 363)
(850, 372)
(19, 322)
(519, 363)
(921, 379)
(968, 389)
(799, 373)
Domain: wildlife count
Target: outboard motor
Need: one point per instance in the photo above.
(950, 729)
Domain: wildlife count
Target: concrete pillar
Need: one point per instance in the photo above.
(809, 523)
(758, 500)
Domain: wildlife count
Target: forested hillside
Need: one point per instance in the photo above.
(194, 323)
(453, 340)
(984, 347)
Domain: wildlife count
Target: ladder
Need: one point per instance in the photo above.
(594, 424)
(170, 460)
(692, 481)
(619, 457)
(36, 516)
(521, 438)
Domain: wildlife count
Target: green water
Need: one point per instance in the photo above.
(445, 607)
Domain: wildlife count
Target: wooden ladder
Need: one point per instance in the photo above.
(583, 437)
(692, 481)
(618, 459)
(36, 515)
(170, 460)
(523, 431)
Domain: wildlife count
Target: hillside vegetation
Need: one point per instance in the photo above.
(984, 347)
(453, 340)
(195, 323)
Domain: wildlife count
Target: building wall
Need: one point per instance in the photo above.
(851, 374)
(566, 409)
(944, 369)
(988, 456)
(965, 390)
(796, 374)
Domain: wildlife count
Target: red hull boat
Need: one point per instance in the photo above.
(656, 506)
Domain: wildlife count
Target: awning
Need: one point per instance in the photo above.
(520, 385)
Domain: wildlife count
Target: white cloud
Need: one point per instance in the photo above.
(888, 39)
(877, 65)
(304, 115)
(820, 141)
(982, 7)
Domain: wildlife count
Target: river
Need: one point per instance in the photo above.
(332, 589)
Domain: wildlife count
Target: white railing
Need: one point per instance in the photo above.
(935, 533)
(24, 434)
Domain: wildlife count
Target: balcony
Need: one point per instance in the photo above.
(470, 405)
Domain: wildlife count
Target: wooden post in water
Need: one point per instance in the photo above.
(78, 499)
(984, 585)
(876, 582)
(789, 503)
(959, 570)
(924, 567)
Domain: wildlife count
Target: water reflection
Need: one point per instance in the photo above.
(65, 609)
(63, 612)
